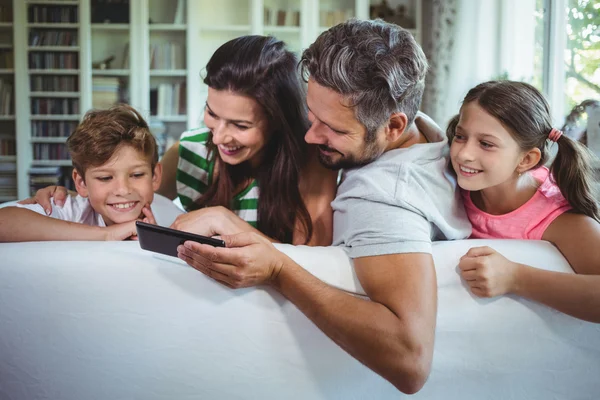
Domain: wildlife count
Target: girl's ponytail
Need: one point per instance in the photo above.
(572, 170)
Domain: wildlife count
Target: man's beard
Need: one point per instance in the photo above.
(370, 153)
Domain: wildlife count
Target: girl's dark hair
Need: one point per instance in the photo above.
(524, 112)
(260, 67)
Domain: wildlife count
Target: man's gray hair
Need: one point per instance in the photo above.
(377, 66)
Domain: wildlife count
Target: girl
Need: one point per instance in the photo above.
(499, 145)
(250, 168)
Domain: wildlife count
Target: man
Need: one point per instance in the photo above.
(365, 84)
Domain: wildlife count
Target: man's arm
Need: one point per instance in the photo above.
(393, 332)
(23, 225)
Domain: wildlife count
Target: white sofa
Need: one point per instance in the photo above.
(92, 320)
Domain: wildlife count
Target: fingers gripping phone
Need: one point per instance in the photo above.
(165, 240)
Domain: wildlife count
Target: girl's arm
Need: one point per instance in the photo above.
(577, 236)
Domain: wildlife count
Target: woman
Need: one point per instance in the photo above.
(250, 168)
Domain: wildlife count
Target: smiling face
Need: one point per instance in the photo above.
(121, 187)
(238, 125)
(483, 152)
(339, 136)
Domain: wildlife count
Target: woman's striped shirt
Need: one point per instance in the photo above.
(195, 173)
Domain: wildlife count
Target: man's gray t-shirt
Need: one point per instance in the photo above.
(400, 202)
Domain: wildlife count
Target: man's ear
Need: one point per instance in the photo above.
(397, 124)
(80, 185)
(156, 176)
(529, 160)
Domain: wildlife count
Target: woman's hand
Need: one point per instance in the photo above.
(43, 196)
(212, 221)
(488, 273)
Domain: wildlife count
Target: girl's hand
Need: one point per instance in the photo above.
(211, 221)
(488, 273)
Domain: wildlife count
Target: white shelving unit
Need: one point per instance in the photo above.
(197, 30)
(8, 159)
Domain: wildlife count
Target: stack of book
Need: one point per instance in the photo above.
(8, 180)
(105, 91)
(40, 177)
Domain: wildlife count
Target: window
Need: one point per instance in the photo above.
(567, 56)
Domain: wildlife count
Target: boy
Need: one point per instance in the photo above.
(116, 172)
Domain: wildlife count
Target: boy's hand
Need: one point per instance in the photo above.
(43, 196)
(123, 231)
(487, 272)
(147, 215)
(127, 230)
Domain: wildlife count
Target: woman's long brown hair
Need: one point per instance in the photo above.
(260, 67)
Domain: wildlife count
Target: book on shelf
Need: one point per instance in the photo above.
(125, 63)
(43, 129)
(281, 17)
(168, 100)
(6, 13)
(8, 179)
(44, 106)
(6, 98)
(40, 177)
(55, 83)
(180, 12)
(6, 59)
(50, 151)
(7, 146)
(42, 37)
(52, 13)
(167, 55)
(53, 60)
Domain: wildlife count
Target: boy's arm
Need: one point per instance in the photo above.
(23, 225)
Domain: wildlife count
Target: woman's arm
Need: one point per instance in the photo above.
(577, 236)
(318, 187)
(169, 161)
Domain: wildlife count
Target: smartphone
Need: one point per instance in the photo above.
(165, 240)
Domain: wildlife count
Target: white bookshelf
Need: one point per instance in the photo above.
(203, 27)
(8, 128)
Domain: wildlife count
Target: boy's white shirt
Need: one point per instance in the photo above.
(76, 209)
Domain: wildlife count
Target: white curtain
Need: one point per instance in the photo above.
(472, 41)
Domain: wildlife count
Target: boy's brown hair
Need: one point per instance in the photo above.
(102, 132)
